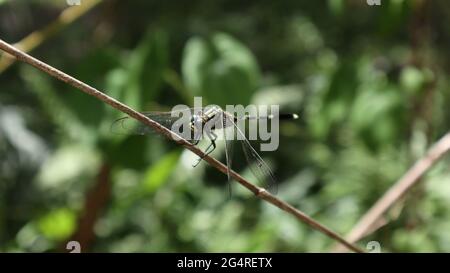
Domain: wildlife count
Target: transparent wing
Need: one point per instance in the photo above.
(229, 141)
(256, 164)
(131, 126)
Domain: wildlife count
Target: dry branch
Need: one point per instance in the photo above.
(367, 223)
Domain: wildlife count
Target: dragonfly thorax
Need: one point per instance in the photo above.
(210, 117)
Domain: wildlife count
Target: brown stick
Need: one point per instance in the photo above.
(398, 190)
(259, 192)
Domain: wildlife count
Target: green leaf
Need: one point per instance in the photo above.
(336, 7)
(138, 81)
(220, 69)
(58, 224)
(157, 174)
(412, 79)
(147, 65)
(196, 59)
(377, 116)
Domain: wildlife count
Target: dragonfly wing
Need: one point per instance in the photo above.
(256, 164)
(229, 141)
(131, 126)
(259, 167)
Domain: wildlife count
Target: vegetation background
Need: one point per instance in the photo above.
(369, 83)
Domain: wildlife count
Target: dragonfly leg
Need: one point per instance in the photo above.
(212, 136)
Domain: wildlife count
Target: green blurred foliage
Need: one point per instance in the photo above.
(220, 70)
(368, 82)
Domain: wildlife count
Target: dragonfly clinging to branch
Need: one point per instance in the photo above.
(205, 122)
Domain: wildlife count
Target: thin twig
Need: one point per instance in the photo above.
(367, 223)
(259, 192)
(35, 38)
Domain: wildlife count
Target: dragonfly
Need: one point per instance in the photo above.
(205, 122)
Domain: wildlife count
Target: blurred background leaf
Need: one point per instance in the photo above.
(220, 69)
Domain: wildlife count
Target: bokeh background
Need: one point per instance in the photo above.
(369, 83)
